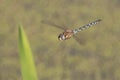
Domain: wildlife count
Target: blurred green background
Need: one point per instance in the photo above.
(96, 58)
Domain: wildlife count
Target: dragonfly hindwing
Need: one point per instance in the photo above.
(86, 26)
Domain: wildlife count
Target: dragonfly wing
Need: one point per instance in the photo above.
(53, 24)
(80, 41)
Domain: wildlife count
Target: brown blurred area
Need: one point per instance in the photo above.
(96, 58)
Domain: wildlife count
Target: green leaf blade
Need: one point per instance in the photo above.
(26, 58)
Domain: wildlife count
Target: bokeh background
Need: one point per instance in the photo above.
(96, 57)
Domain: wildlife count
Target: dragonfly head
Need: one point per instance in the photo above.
(61, 37)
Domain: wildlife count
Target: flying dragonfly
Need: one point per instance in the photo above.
(68, 33)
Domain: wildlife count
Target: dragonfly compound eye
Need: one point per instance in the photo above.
(61, 37)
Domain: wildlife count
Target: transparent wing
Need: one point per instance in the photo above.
(54, 25)
(81, 41)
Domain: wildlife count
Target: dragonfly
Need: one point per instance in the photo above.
(68, 33)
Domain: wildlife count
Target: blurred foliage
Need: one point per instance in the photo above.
(96, 59)
(26, 58)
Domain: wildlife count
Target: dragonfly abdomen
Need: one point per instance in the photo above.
(86, 26)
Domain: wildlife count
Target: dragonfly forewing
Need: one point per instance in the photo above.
(54, 25)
